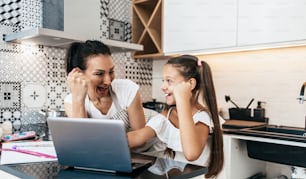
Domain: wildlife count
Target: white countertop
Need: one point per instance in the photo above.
(267, 140)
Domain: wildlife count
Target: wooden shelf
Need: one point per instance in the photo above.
(147, 27)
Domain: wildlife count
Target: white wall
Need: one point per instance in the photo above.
(274, 76)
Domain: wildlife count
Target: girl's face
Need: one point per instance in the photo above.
(99, 73)
(171, 77)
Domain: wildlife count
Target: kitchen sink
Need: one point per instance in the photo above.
(279, 153)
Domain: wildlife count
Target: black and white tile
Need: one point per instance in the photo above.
(34, 96)
(10, 95)
(31, 14)
(119, 9)
(10, 12)
(33, 77)
(104, 19)
(116, 30)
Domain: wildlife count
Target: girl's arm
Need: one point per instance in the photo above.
(193, 136)
(136, 114)
(139, 137)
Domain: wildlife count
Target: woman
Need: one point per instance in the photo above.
(95, 93)
(190, 125)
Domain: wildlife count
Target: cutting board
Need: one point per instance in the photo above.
(239, 124)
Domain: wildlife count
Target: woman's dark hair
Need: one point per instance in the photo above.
(191, 67)
(78, 53)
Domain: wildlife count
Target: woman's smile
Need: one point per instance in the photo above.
(102, 90)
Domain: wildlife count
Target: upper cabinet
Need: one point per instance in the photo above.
(147, 27)
(167, 27)
(262, 21)
(171, 27)
(80, 21)
(198, 24)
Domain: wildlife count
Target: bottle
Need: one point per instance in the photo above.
(259, 112)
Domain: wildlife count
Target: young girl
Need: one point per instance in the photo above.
(189, 125)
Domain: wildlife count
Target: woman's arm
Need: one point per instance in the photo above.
(136, 114)
(77, 84)
(139, 137)
(78, 112)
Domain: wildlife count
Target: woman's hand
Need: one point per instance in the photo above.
(77, 84)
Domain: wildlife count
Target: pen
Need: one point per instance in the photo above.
(250, 103)
(32, 145)
(38, 154)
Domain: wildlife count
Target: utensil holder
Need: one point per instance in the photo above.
(240, 113)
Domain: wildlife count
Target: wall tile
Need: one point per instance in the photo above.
(10, 95)
(40, 70)
(10, 12)
(34, 96)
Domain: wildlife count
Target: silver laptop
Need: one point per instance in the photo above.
(93, 144)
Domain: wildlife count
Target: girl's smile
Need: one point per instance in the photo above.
(171, 77)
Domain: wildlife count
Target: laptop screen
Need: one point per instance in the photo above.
(98, 144)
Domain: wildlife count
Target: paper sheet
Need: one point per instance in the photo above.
(12, 157)
(6, 175)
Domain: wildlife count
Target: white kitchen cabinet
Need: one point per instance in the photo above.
(82, 18)
(237, 163)
(272, 21)
(239, 166)
(167, 27)
(198, 24)
(170, 27)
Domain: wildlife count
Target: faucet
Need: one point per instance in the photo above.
(302, 98)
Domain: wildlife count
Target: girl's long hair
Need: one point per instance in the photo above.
(191, 67)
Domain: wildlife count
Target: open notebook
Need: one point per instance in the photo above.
(93, 144)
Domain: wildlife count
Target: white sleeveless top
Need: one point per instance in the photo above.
(123, 92)
(170, 135)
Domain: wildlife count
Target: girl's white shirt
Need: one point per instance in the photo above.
(125, 91)
(170, 135)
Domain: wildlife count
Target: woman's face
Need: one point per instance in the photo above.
(99, 73)
(171, 77)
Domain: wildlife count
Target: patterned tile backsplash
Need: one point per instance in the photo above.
(33, 77)
(10, 12)
(10, 95)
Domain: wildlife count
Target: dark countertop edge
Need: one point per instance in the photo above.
(14, 172)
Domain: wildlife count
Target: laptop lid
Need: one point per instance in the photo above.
(96, 144)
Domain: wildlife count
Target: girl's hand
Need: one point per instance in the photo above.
(77, 83)
(182, 91)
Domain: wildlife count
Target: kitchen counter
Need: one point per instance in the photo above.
(160, 168)
(240, 129)
(243, 136)
(248, 150)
